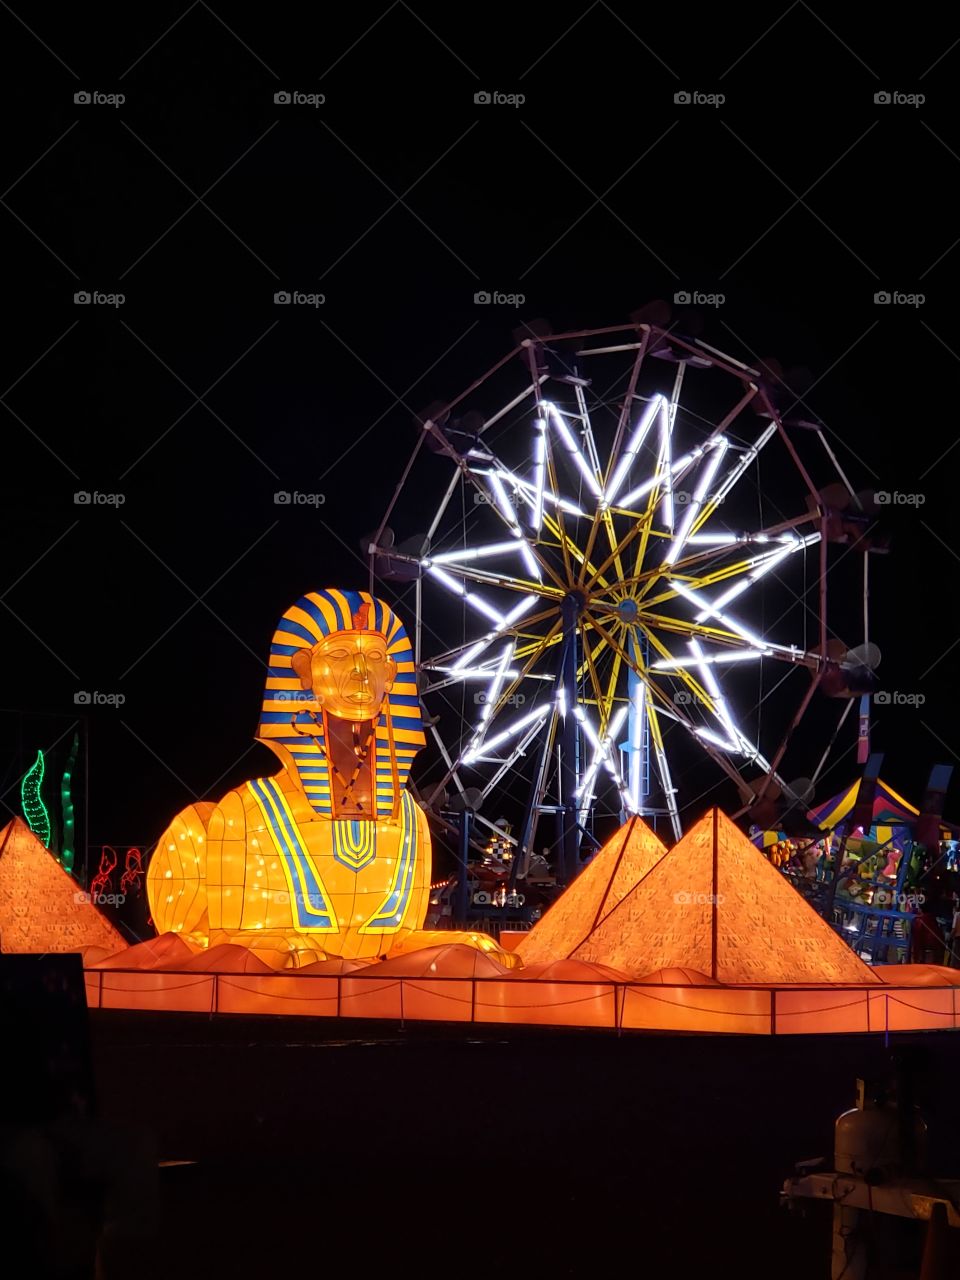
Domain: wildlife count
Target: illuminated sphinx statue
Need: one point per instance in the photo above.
(332, 854)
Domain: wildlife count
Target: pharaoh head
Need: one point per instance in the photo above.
(349, 673)
(342, 655)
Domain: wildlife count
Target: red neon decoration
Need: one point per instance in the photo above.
(101, 882)
(131, 880)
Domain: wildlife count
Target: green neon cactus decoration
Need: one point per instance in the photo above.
(34, 810)
(66, 805)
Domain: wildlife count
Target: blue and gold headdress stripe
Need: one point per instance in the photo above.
(285, 704)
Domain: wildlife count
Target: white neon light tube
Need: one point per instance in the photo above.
(643, 489)
(508, 620)
(466, 554)
(572, 448)
(633, 448)
(697, 501)
(471, 754)
(539, 474)
(471, 597)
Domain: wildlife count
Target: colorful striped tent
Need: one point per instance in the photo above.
(893, 817)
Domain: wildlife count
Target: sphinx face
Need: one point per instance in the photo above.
(349, 674)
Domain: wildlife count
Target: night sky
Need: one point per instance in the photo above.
(798, 198)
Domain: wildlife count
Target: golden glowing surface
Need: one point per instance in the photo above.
(42, 908)
(329, 857)
(232, 878)
(349, 674)
(713, 904)
(603, 883)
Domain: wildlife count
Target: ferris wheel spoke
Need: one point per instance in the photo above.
(528, 492)
(539, 475)
(643, 521)
(707, 610)
(684, 627)
(588, 657)
(696, 500)
(731, 479)
(616, 481)
(664, 498)
(713, 452)
(466, 654)
(506, 513)
(748, 572)
(492, 694)
(613, 680)
(590, 444)
(490, 486)
(625, 408)
(561, 427)
(470, 754)
(572, 553)
(614, 556)
(695, 693)
(516, 754)
(756, 568)
(718, 704)
(595, 684)
(500, 694)
(450, 568)
(653, 488)
(556, 523)
(465, 555)
(783, 545)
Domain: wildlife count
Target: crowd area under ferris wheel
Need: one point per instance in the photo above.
(639, 575)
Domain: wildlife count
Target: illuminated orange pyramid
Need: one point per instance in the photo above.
(41, 906)
(715, 904)
(626, 858)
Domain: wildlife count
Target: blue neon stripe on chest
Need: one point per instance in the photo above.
(354, 843)
(392, 911)
(312, 908)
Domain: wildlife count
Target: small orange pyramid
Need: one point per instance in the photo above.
(715, 904)
(626, 858)
(42, 907)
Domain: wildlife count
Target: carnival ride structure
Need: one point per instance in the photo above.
(625, 555)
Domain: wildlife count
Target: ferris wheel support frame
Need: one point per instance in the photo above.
(570, 740)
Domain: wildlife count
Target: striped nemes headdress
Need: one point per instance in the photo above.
(287, 707)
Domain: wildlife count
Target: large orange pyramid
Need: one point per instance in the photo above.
(626, 858)
(714, 903)
(41, 906)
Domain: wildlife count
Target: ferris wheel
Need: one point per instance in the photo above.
(618, 542)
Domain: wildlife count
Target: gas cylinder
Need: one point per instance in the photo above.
(878, 1141)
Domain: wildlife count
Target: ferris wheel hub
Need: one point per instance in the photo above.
(575, 601)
